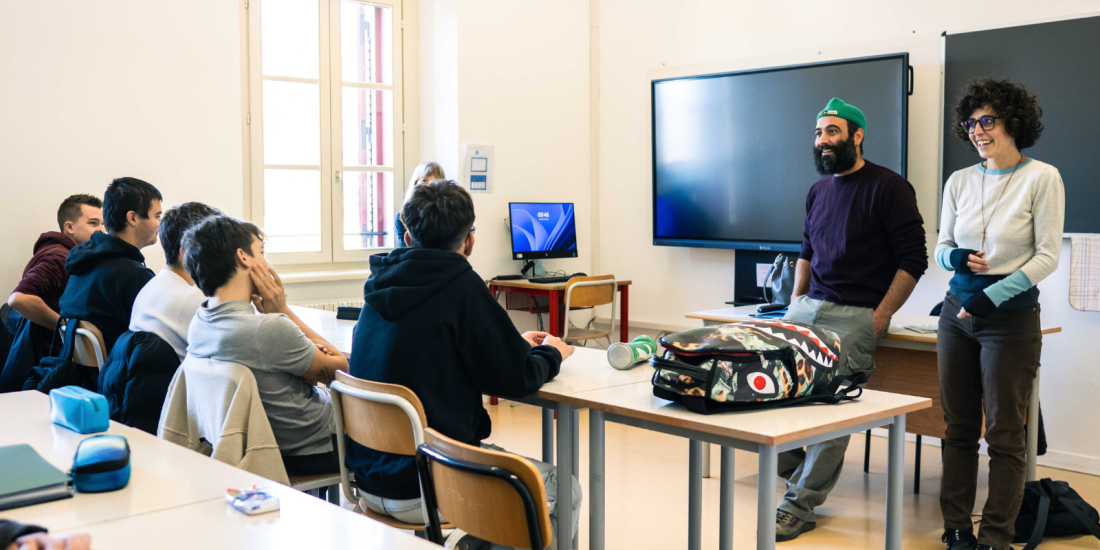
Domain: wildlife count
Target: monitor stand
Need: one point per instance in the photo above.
(529, 265)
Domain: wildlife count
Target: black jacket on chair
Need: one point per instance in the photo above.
(135, 379)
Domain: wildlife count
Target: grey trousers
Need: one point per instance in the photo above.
(409, 511)
(987, 368)
(813, 471)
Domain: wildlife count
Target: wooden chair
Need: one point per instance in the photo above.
(494, 496)
(90, 349)
(384, 417)
(584, 292)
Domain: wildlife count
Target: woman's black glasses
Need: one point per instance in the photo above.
(987, 122)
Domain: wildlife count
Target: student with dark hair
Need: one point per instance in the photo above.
(107, 272)
(167, 304)
(430, 324)
(1001, 233)
(225, 257)
(36, 296)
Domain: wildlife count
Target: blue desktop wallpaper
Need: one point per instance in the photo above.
(543, 227)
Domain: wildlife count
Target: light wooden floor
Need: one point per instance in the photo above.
(647, 491)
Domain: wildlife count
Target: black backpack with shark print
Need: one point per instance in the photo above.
(752, 365)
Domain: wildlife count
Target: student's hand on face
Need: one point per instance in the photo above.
(565, 349)
(534, 338)
(270, 296)
(42, 541)
(977, 262)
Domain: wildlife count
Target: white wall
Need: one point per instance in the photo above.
(96, 90)
(643, 38)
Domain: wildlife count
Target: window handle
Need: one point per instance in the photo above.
(337, 179)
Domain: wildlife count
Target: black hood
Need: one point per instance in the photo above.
(402, 279)
(101, 247)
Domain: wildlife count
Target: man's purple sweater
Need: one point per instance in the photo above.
(860, 230)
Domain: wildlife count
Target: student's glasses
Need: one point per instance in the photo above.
(987, 122)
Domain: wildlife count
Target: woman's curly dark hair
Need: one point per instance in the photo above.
(1016, 108)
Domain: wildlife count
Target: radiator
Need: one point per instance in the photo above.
(331, 305)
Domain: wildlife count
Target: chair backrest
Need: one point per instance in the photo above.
(495, 496)
(384, 417)
(590, 291)
(90, 349)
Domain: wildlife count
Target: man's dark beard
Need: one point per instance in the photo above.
(842, 159)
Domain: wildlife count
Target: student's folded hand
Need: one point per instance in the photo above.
(42, 541)
(534, 338)
(564, 349)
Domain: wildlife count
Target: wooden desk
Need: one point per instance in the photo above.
(906, 363)
(765, 432)
(556, 294)
(176, 491)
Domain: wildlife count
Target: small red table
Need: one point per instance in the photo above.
(555, 292)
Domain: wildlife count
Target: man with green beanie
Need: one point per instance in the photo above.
(863, 249)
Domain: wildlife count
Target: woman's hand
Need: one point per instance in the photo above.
(977, 263)
(962, 313)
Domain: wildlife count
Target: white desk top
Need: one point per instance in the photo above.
(894, 336)
(175, 498)
(587, 369)
(769, 427)
(301, 522)
(328, 326)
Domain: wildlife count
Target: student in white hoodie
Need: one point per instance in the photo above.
(1001, 233)
(167, 303)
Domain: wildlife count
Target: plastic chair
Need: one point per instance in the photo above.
(497, 497)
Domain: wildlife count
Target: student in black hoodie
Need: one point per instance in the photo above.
(107, 271)
(430, 324)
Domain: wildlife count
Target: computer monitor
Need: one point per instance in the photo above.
(543, 230)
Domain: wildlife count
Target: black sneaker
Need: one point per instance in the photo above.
(984, 547)
(788, 527)
(958, 540)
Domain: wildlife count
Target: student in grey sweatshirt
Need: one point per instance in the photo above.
(1001, 233)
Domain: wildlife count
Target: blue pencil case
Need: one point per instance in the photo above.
(102, 463)
(79, 409)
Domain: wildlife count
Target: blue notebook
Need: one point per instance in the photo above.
(28, 479)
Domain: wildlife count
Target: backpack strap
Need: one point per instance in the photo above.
(1040, 517)
(68, 345)
(1059, 493)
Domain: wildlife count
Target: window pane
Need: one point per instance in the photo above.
(289, 38)
(292, 210)
(368, 210)
(365, 43)
(367, 122)
(292, 123)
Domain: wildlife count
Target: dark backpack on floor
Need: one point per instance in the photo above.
(1052, 509)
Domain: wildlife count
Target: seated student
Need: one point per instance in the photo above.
(430, 324)
(167, 304)
(36, 296)
(225, 257)
(423, 173)
(107, 272)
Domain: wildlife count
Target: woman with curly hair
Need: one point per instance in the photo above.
(1001, 233)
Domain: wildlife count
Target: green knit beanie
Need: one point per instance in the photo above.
(851, 113)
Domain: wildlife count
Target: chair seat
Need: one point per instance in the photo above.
(306, 483)
(576, 334)
(394, 522)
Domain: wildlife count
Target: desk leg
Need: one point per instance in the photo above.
(576, 457)
(1033, 430)
(564, 535)
(595, 480)
(555, 314)
(695, 494)
(725, 502)
(895, 481)
(548, 436)
(706, 460)
(765, 497)
(624, 313)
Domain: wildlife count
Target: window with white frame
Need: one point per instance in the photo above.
(324, 110)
